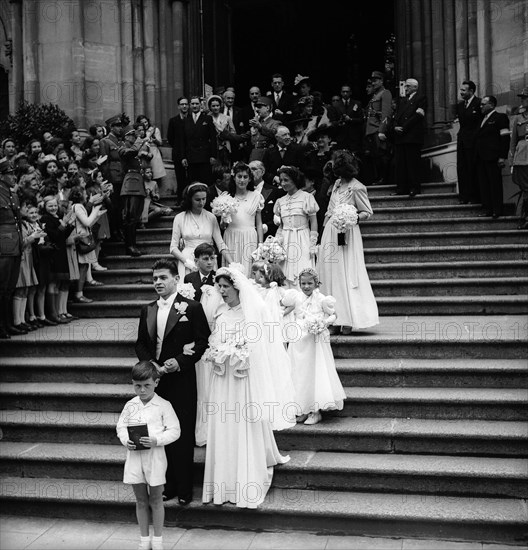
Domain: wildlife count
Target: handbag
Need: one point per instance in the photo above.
(86, 244)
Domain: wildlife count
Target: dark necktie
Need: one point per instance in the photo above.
(204, 280)
(282, 152)
(466, 103)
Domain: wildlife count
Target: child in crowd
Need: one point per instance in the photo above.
(205, 260)
(145, 469)
(27, 277)
(152, 208)
(314, 374)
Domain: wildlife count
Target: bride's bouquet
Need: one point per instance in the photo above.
(235, 349)
(224, 206)
(270, 250)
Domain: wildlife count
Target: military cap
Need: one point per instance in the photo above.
(129, 130)
(524, 93)
(5, 166)
(114, 121)
(264, 101)
(377, 74)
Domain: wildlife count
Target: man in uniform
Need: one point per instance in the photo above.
(262, 129)
(492, 143)
(113, 170)
(379, 109)
(10, 248)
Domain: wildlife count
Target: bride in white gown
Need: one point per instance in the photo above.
(250, 394)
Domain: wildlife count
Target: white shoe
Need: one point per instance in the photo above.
(314, 418)
(157, 545)
(144, 545)
(98, 267)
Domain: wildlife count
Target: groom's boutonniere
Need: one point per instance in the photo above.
(181, 307)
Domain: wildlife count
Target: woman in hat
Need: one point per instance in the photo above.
(302, 85)
(519, 154)
(224, 126)
(9, 151)
(154, 135)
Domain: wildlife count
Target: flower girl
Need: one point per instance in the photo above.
(314, 374)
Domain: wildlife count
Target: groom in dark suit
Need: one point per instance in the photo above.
(165, 327)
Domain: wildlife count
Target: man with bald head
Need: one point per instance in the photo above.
(409, 132)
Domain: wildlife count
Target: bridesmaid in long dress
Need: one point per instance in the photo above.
(244, 233)
(342, 267)
(194, 226)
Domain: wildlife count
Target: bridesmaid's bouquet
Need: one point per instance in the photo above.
(344, 217)
(224, 206)
(270, 250)
(314, 324)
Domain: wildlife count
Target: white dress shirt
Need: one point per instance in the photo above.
(164, 307)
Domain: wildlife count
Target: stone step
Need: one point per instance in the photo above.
(433, 403)
(404, 201)
(381, 288)
(383, 240)
(375, 226)
(384, 473)
(404, 337)
(410, 254)
(424, 225)
(418, 270)
(447, 270)
(375, 514)
(334, 433)
(387, 306)
(411, 211)
(456, 373)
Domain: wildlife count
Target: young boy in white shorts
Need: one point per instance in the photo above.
(145, 469)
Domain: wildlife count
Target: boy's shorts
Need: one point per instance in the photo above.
(146, 467)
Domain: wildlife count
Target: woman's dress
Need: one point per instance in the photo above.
(241, 234)
(193, 230)
(294, 211)
(156, 163)
(341, 268)
(241, 449)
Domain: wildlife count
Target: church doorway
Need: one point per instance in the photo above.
(333, 42)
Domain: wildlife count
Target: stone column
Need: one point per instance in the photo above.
(473, 53)
(30, 36)
(137, 53)
(461, 23)
(451, 83)
(166, 95)
(16, 91)
(177, 50)
(128, 91)
(484, 46)
(148, 60)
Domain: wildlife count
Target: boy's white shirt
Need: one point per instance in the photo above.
(158, 414)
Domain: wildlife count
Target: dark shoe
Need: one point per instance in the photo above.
(334, 329)
(26, 326)
(4, 335)
(16, 331)
(168, 496)
(59, 320)
(413, 193)
(48, 323)
(82, 300)
(37, 323)
(64, 318)
(133, 251)
(71, 317)
(184, 501)
(397, 194)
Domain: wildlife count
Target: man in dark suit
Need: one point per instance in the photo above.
(283, 153)
(347, 115)
(469, 116)
(199, 143)
(491, 150)
(165, 327)
(204, 258)
(250, 111)
(270, 193)
(409, 132)
(238, 139)
(283, 103)
(175, 139)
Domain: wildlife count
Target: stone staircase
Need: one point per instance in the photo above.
(432, 442)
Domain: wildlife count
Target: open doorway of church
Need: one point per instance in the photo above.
(333, 42)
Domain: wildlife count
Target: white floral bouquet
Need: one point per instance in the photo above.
(344, 217)
(235, 349)
(270, 250)
(224, 206)
(186, 290)
(314, 324)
